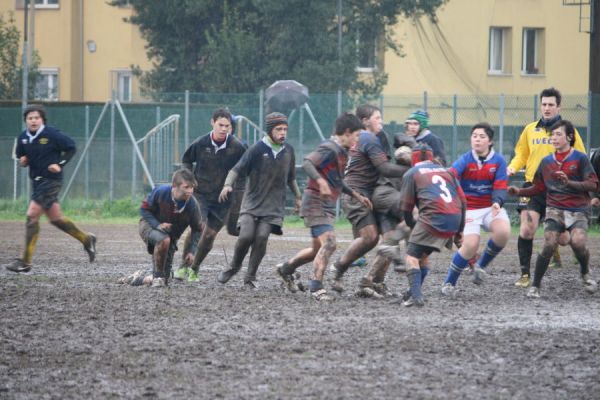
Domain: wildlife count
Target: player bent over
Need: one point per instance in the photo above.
(45, 150)
(483, 179)
(441, 203)
(166, 212)
(269, 166)
(566, 176)
(325, 170)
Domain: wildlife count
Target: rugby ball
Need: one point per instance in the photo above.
(403, 155)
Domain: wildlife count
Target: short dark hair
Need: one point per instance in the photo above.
(551, 92)
(184, 175)
(347, 121)
(35, 107)
(222, 113)
(489, 131)
(569, 129)
(365, 111)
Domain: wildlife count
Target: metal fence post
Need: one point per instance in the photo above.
(111, 174)
(186, 120)
(87, 158)
(588, 131)
(339, 102)
(425, 100)
(535, 107)
(301, 139)
(454, 126)
(501, 126)
(261, 110)
(157, 115)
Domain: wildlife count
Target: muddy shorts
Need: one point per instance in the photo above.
(318, 230)
(386, 205)
(275, 222)
(422, 237)
(151, 236)
(536, 203)
(358, 215)
(45, 191)
(211, 211)
(563, 220)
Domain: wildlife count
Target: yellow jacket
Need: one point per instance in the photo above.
(533, 145)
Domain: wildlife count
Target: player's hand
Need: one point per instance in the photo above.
(513, 190)
(458, 239)
(189, 258)
(595, 202)
(54, 168)
(510, 171)
(365, 201)
(23, 161)
(165, 227)
(225, 193)
(324, 189)
(495, 209)
(297, 205)
(561, 177)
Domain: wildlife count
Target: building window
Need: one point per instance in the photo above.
(122, 84)
(20, 4)
(366, 52)
(46, 3)
(533, 51)
(499, 61)
(46, 86)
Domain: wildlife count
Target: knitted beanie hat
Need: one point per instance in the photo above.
(274, 119)
(421, 116)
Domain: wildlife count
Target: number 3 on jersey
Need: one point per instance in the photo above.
(445, 193)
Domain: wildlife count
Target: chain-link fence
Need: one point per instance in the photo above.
(111, 170)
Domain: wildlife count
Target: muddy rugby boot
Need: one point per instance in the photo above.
(478, 275)
(90, 248)
(533, 292)
(250, 285)
(449, 291)
(159, 282)
(589, 285)
(321, 295)
(182, 273)
(226, 275)
(192, 276)
(336, 281)
(556, 260)
(368, 293)
(383, 290)
(523, 281)
(18, 266)
(360, 262)
(288, 279)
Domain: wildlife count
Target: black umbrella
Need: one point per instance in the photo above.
(283, 96)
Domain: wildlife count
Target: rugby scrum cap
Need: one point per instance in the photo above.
(421, 116)
(421, 152)
(273, 119)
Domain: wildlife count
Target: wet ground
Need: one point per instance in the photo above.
(67, 330)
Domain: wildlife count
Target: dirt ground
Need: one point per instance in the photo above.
(68, 330)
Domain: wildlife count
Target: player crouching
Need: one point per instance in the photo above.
(166, 213)
(441, 203)
(567, 177)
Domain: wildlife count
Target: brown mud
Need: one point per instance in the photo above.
(68, 330)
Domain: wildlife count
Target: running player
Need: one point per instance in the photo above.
(567, 177)
(269, 166)
(441, 203)
(325, 170)
(45, 150)
(482, 176)
(211, 156)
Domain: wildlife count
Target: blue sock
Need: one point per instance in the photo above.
(314, 285)
(457, 266)
(490, 252)
(424, 273)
